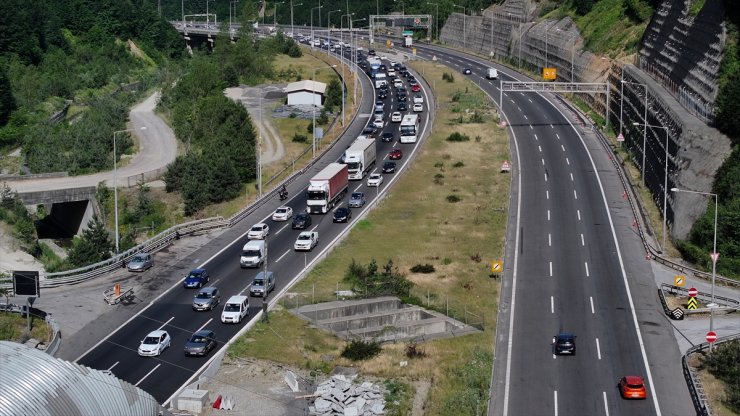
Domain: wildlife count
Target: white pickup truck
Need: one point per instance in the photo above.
(306, 241)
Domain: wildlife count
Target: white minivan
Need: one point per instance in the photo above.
(236, 308)
(253, 254)
(491, 73)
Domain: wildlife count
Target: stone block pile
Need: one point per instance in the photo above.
(339, 396)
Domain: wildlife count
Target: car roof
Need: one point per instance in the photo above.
(566, 335)
(633, 379)
(208, 289)
(259, 224)
(236, 299)
(157, 333)
(197, 271)
(203, 332)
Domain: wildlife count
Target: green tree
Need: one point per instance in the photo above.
(93, 246)
(7, 101)
(333, 95)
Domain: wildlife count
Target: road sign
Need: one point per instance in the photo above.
(620, 138)
(711, 337)
(714, 256)
(677, 314)
(679, 280)
(497, 266)
(549, 74)
(692, 303)
(506, 166)
(693, 292)
(407, 33)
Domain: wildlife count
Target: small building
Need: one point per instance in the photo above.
(306, 92)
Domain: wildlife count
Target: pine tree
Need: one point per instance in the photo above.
(93, 246)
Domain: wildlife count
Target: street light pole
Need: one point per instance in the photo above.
(465, 30)
(232, 4)
(644, 131)
(714, 256)
(292, 29)
(665, 182)
(274, 14)
(115, 181)
(313, 39)
(313, 102)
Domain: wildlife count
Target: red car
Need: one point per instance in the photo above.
(415, 88)
(632, 387)
(395, 154)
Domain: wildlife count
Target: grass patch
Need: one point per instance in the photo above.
(607, 30)
(14, 327)
(446, 239)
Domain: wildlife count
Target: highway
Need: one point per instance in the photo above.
(566, 272)
(163, 376)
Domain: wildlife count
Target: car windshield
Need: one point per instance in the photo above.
(634, 386)
(139, 259)
(197, 339)
(304, 237)
(356, 195)
(231, 307)
(250, 253)
(256, 228)
(258, 282)
(281, 210)
(151, 341)
(203, 295)
(194, 275)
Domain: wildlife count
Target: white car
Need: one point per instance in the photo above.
(258, 231)
(375, 179)
(282, 214)
(396, 117)
(154, 343)
(378, 122)
(306, 241)
(397, 83)
(418, 99)
(418, 107)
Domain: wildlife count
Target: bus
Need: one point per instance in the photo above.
(409, 128)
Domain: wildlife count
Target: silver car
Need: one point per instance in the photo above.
(140, 262)
(206, 299)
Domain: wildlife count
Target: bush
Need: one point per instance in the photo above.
(413, 350)
(359, 349)
(453, 198)
(370, 281)
(300, 138)
(439, 179)
(723, 364)
(458, 137)
(448, 77)
(446, 261)
(458, 164)
(423, 268)
(456, 96)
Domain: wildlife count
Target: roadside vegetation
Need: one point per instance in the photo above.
(14, 327)
(442, 249)
(722, 365)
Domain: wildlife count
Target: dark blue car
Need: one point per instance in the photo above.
(197, 278)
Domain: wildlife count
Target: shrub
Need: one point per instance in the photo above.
(476, 117)
(446, 261)
(423, 268)
(456, 96)
(413, 350)
(293, 115)
(458, 137)
(439, 179)
(448, 77)
(359, 349)
(299, 138)
(458, 164)
(453, 198)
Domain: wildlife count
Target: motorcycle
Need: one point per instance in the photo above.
(283, 194)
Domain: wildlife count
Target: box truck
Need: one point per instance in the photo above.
(408, 41)
(491, 73)
(360, 157)
(327, 188)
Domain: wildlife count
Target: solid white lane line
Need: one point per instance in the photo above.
(583, 241)
(147, 375)
(114, 364)
(578, 211)
(598, 349)
(165, 324)
(552, 304)
(548, 215)
(606, 405)
(571, 176)
(575, 194)
(281, 257)
(556, 401)
(587, 273)
(204, 325)
(549, 239)
(590, 298)
(550, 269)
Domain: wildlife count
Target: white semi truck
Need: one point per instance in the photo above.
(360, 157)
(326, 188)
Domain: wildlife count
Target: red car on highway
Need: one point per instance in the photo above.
(395, 154)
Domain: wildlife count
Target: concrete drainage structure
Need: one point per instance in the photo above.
(384, 319)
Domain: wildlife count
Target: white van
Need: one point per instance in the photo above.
(236, 308)
(491, 73)
(253, 254)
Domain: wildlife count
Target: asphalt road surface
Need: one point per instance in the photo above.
(163, 376)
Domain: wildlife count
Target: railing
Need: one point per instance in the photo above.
(55, 339)
(696, 390)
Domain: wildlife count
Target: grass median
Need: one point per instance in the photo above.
(448, 211)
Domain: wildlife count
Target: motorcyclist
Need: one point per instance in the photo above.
(283, 192)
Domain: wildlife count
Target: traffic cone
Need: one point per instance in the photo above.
(624, 195)
(217, 402)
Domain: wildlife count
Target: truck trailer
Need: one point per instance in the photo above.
(327, 188)
(360, 157)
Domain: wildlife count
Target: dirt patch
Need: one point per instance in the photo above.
(420, 398)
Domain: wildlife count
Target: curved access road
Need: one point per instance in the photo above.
(573, 264)
(157, 149)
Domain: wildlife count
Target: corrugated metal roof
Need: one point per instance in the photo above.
(306, 85)
(34, 383)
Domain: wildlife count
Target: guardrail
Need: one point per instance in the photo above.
(56, 338)
(696, 390)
